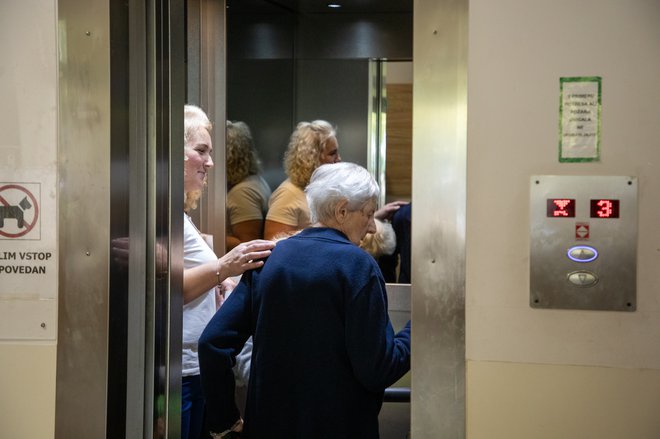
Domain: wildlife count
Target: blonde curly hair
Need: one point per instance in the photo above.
(242, 158)
(194, 119)
(303, 154)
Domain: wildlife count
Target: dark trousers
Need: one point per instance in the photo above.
(192, 408)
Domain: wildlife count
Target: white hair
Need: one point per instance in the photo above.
(194, 119)
(332, 183)
(383, 242)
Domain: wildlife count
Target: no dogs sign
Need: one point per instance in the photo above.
(19, 211)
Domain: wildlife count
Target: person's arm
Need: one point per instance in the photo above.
(243, 362)
(273, 229)
(243, 232)
(247, 256)
(379, 356)
(220, 343)
(387, 211)
(223, 291)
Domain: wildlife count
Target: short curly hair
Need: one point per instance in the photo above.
(303, 154)
(242, 158)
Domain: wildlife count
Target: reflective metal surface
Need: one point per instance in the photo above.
(121, 162)
(137, 404)
(84, 218)
(398, 304)
(376, 126)
(394, 416)
(120, 188)
(285, 66)
(583, 261)
(166, 230)
(438, 218)
(212, 88)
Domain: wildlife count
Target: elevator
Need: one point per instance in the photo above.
(126, 70)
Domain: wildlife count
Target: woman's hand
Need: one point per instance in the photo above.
(245, 256)
(120, 251)
(223, 290)
(387, 211)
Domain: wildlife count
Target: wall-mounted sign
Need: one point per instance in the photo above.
(28, 259)
(19, 211)
(579, 119)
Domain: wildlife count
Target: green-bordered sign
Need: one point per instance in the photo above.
(579, 119)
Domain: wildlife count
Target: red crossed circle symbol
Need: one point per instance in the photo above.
(28, 226)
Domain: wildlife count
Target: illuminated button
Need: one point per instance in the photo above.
(582, 253)
(583, 278)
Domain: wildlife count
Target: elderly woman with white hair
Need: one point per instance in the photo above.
(324, 347)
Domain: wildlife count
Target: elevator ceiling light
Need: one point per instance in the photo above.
(334, 5)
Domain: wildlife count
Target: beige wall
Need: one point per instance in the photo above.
(552, 373)
(531, 373)
(540, 401)
(27, 390)
(28, 153)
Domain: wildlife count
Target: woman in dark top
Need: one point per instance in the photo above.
(324, 348)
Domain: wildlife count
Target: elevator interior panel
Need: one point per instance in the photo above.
(583, 242)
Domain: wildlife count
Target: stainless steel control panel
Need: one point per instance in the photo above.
(583, 242)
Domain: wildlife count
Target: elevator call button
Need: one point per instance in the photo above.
(582, 253)
(582, 278)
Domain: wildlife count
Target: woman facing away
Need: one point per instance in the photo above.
(324, 348)
(311, 145)
(247, 199)
(204, 273)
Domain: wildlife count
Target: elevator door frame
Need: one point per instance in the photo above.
(120, 161)
(439, 178)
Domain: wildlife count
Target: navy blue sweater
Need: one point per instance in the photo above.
(324, 348)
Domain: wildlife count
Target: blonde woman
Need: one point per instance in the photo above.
(312, 144)
(203, 271)
(247, 199)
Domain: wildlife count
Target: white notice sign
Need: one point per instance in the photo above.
(28, 260)
(579, 111)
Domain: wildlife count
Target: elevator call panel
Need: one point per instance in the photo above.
(583, 242)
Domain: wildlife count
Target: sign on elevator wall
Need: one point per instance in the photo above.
(28, 256)
(20, 221)
(579, 119)
(29, 176)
